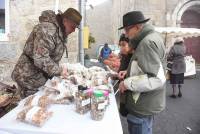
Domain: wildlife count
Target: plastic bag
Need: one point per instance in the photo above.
(34, 115)
(38, 100)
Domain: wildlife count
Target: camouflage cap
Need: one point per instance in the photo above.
(73, 15)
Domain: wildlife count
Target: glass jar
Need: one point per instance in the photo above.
(89, 92)
(107, 99)
(82, 100)
(98, 82)
(97, 105)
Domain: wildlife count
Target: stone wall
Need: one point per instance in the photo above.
(23, 16)
(162, 13)
(154, 9)
(99, 21)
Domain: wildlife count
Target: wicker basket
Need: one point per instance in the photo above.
(8, 94)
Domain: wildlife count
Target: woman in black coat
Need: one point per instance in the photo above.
(176, 56)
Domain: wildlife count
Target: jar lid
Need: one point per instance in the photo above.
(106, 93)
(98, 93)
(89, 91)
(80, 87)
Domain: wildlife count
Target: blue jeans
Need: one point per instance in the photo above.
(138, 125)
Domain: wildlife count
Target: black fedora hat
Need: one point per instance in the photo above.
(133, 18)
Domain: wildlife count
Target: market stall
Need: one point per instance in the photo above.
(170, 33)
(190, 66)
(66, 120)
(64, 106)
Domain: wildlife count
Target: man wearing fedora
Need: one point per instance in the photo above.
(144, 80)
(43, 50)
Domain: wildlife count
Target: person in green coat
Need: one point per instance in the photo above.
(144, 84)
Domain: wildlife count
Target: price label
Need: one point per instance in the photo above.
(101, 106)
(85, 102)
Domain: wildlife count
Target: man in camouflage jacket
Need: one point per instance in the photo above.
(43, 50)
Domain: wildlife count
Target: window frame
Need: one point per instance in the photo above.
(5, 36)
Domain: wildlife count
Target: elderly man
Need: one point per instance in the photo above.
(43, 50)
(144, 84)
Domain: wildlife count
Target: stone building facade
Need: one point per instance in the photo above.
(154, 9)
(163, 13)
(99, 21)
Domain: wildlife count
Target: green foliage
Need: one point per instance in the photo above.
(91, 40)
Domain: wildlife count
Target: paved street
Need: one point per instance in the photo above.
(181, 114)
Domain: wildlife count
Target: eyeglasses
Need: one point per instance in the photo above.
(126, 29)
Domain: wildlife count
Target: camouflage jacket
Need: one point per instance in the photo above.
(41, 55)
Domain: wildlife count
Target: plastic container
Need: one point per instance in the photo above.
(82, 100)
(89, 92)
(97, 105)
(98, 82)
(107, 99)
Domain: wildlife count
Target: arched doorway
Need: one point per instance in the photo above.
(191, 18)
(187, 14)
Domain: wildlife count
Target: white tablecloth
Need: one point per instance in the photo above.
(66, 121)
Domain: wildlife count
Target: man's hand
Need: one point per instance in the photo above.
(113, 76)
(64, 72)
(122, 87)
(122, 74)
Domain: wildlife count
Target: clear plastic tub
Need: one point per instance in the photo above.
(82, 100)
(98, 106)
